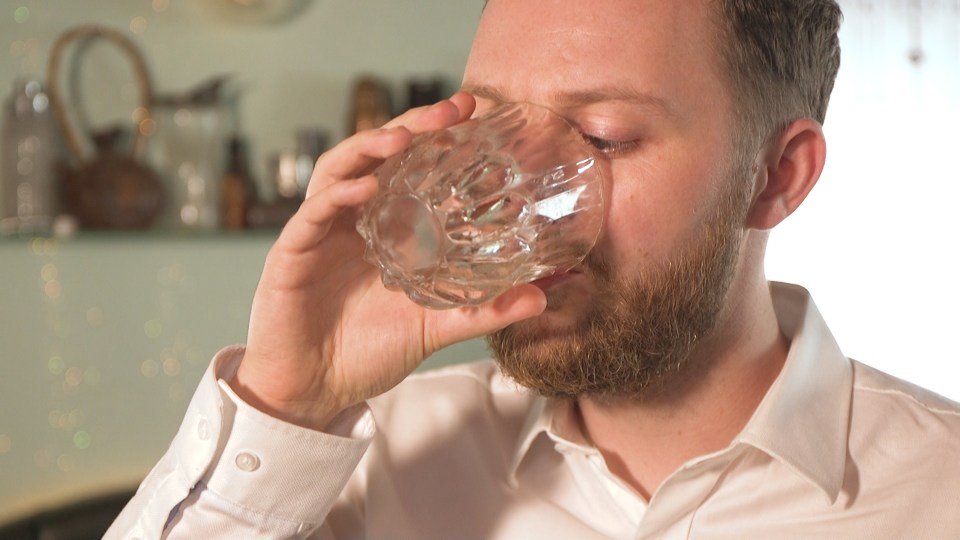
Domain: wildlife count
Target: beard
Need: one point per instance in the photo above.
(636, 340)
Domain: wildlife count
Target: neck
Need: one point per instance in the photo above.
(735, 368)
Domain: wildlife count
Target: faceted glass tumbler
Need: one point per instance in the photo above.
(470, 211)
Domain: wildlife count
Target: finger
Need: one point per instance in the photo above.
(358, 154)
(355, 155)
(317, 213)
(440, 115)
(465, 103)
(519, 303)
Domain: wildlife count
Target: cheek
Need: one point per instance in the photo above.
(654, 205)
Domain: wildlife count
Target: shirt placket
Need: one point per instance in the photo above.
(674, 506)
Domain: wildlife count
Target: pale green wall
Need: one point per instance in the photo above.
(103, 337)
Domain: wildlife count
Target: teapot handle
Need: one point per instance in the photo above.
(144, 120)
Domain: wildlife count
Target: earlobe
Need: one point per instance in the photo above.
(791, 167)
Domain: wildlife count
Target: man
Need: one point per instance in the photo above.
(673, 391)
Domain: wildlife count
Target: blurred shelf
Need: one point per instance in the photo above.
(99, 236)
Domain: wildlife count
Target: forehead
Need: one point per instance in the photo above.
(531, 49)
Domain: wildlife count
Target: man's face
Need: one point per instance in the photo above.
(641, 80)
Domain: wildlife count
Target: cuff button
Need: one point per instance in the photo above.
(247, 462)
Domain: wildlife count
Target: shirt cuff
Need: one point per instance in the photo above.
(265, 465)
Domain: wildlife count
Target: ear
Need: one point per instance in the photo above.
(788, 169)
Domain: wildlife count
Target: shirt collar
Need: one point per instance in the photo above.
(801, 422)
(553, 418)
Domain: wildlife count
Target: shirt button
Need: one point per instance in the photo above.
(203, 428)
(247, 462)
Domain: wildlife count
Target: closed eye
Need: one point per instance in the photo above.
(609, 147)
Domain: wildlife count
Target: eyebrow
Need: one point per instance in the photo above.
(580, 98)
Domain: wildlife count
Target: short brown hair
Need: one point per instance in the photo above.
(782, 58)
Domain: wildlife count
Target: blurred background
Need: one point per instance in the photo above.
(151, 149)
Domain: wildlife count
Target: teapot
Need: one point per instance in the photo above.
(112, 189)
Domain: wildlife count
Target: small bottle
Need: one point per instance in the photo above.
(237, 189)
(421, 92)
(311, 142)
(371, 105)
(287, 199)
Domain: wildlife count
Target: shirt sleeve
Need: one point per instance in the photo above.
(235, 472)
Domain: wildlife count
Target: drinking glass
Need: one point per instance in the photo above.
(467, 212)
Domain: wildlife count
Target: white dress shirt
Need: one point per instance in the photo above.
(834, 450)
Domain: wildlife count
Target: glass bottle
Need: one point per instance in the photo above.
(371, 105)
(311, 142)
(28, 151)
(238, 192)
